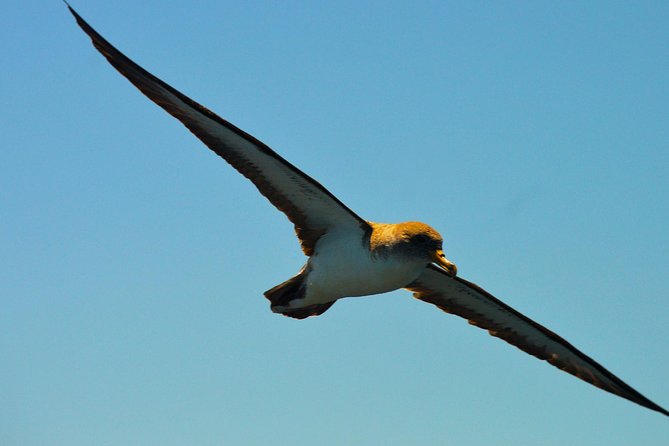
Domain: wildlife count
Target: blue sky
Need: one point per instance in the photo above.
(533, 135)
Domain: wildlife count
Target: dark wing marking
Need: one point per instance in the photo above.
(312, 208)
(480, 308)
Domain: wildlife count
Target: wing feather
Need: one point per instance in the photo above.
(465, 299)
(307, 204)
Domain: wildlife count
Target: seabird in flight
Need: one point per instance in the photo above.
(349, 256)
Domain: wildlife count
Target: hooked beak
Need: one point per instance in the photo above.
(440, 259)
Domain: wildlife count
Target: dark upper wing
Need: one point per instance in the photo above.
(311, 207)
(480, 308)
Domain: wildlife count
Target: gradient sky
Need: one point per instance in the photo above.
(533, 135)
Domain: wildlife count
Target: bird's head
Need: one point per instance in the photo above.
(425, 240)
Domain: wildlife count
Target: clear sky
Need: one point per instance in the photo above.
(533, 135)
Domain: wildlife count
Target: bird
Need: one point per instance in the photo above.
(348, 256)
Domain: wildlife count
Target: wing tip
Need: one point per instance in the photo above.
(83, 24)
(648, 404)
(72, 11)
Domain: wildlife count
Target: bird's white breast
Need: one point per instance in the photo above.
(342, 267)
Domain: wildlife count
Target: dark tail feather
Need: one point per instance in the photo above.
(305, 312)
(293, 288)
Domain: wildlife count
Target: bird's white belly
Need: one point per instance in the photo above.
(347, 269)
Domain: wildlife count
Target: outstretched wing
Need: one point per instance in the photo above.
(480, 308)
(312, 208)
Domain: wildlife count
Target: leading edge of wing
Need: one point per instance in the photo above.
(482, 309)
(151, 86)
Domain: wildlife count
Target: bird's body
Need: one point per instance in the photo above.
(350, 263)
(349, 256)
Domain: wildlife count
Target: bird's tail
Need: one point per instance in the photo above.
(294, 288)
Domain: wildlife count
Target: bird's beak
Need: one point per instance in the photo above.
(440, 259)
